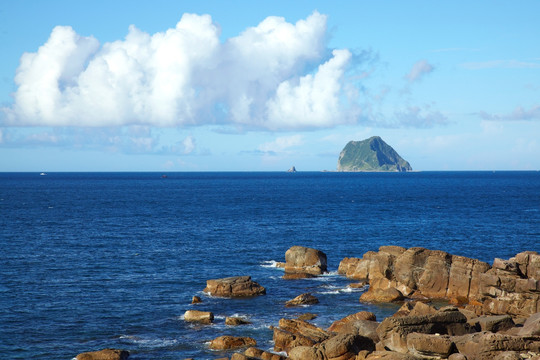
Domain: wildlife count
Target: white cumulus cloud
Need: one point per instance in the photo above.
(271, 76)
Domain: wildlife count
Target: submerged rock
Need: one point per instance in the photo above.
(235, 321)
(303, 299)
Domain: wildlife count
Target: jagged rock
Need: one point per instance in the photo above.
(196, 300)
(299, 259)
(307, 316)
(339, 347)
(531, 327)
(487, 345)
(416, 308)
(362, 315)
(430, 346)
(293, 332)
(365, 328)
(105, 354)
(235, 321)
(509, 287)
(231, 342)
(381, 295)
(388, 355)
(493, 323)
(306, 353)
(203, 317)
(303, 299)
(393, 331)
(253, 352)
(238, 286)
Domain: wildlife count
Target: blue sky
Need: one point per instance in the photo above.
(262, 86)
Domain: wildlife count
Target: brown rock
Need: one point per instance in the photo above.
(390, 355)
(393, 331)
(306, 353)
(430, 345)
(235, 321)
(305, 260)
(105, 354)
(381, 295)
(416, 308)
(307, 316)
(493, 323)
(487, 345)
(231, 342)
(303, 299)
(238, 286)
(203, 317)
(531, 327)
(292, 333)
(196, 300)
(345, 346)
(362, 315)
(253, 352)
(457, 356)
(297, 275)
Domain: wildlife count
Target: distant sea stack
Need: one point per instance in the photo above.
(372, 154)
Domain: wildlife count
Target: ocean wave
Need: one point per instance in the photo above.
(271, 264)
(148, 342)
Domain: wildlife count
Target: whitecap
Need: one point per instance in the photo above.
(149, 342)
(272, 264)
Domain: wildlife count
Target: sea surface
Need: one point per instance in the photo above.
(111, 260)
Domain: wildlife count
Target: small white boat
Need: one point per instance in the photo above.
(43, 174)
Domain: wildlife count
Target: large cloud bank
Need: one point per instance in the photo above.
(276, 76)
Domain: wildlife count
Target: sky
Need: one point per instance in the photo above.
(266, 85)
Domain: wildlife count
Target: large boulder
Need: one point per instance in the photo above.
(253, 352)
(237, 286)
(362, 315)
(203, 317)
(299, 259)
(531, 327)
(378, 295)
(293, 332)
(105, 354)
(393, 331)
(488, 345)
(231, 342)
(338, 347)
(493, 323)
(431, 346)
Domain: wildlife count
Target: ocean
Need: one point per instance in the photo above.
(111, 260)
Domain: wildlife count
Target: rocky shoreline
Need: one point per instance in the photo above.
(489, 311)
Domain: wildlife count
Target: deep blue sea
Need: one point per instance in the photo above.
(96, 260)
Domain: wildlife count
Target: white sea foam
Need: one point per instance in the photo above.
(271, 264)
(149, 342)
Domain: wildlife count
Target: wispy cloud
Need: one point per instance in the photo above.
(504, 64)
(519, 114)
(281, 144)
(274, 76)
(419, 70)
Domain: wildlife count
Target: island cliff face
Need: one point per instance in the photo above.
(372, 154)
